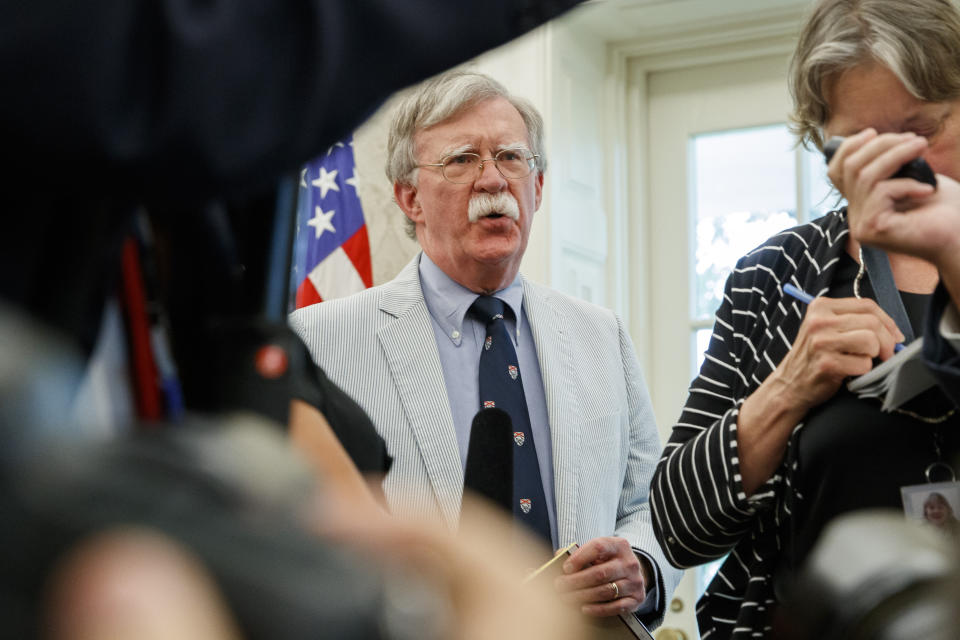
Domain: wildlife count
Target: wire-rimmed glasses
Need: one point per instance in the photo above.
(461, 168)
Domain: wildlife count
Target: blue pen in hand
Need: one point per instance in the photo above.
(806, 298)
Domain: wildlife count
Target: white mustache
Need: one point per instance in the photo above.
(483, 204)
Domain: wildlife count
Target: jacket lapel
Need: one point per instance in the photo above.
(551, 336)
(414, 362)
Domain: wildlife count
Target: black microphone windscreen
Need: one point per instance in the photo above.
(489, 469)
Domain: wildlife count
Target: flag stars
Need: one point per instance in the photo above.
(354, 180)
(321, 221)
(326, 182)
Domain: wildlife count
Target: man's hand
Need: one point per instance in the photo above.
(594, 569)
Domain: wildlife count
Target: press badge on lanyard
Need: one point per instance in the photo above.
(936, 502)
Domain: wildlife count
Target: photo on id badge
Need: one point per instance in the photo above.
(935, 504)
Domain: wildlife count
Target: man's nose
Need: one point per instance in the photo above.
(490, 178)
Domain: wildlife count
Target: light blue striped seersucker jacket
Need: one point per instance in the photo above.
(379, 346)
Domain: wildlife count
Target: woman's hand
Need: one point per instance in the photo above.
(867, 159)
(838, 338)
(899, 215)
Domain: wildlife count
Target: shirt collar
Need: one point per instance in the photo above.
(448, 301)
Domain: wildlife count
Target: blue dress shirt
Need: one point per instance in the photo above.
(460, 340)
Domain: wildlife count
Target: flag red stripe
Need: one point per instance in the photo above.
(307, 294)
(357, 248)
(144, 368)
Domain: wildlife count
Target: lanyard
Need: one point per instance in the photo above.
(881, 278)
(876, 262)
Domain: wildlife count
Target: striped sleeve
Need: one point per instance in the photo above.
(699, 508)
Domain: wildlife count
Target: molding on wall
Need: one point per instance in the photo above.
(620, 270)
(730, 29)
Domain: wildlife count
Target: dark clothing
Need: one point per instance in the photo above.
(174, 98)
(223, 491)
(941, 357)
(836, 473)
(196, 110)
(112, 104)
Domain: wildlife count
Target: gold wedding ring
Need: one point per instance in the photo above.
(616, 591)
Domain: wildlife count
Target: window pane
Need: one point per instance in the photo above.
(701, 339)
(705, 574)
(744, 190)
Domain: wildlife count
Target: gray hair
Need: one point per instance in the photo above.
(439, 99)
(917, 40)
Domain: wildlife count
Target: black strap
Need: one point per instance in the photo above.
(877, 264)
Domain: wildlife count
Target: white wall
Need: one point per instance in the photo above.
(390, 248)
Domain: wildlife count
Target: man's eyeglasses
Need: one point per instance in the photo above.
(462, 168)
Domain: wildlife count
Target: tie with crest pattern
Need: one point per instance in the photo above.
(501, 386)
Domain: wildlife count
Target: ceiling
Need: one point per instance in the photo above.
(635, 20)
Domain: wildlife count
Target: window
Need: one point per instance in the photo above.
(738, 200)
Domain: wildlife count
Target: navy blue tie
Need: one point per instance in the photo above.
(501, 386)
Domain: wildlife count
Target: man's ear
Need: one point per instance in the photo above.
(538, 184)
(406, 197)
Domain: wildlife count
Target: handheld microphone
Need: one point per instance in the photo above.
(918, 169)
(489, 469)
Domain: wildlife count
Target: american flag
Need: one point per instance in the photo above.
(331, 254)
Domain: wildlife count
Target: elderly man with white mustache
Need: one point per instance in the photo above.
(460, 330)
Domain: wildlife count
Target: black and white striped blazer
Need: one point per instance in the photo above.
(379, 347)
(700, 511)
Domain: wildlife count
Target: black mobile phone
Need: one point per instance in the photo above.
(918, 169)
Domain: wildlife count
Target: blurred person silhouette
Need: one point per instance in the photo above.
(874, 575)
(771, 446)
(191, 112)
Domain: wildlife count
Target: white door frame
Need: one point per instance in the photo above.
(628, 193)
